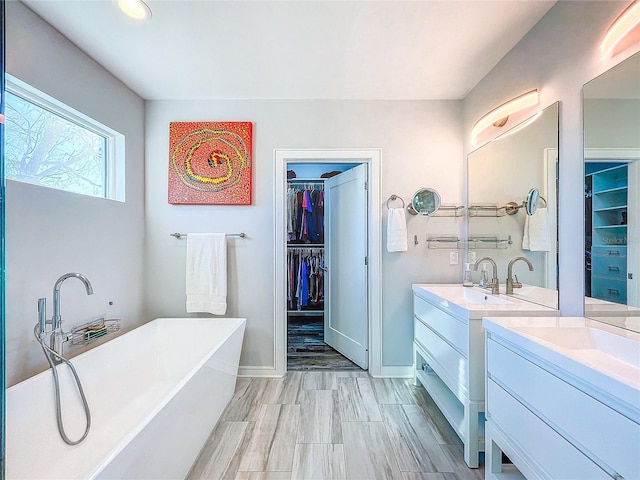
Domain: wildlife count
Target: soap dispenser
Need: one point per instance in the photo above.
(466, 279)
(484, 275)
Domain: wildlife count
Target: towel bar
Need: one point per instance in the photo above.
(180, 235)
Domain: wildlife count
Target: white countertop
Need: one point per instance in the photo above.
(473, 303)
(603, 356)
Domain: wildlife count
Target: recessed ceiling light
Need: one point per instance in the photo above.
(135, 9)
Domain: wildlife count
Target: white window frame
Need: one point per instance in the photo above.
(115, 141)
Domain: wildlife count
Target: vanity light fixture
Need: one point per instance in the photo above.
(135, 9)
(498, 114)
(626, 21)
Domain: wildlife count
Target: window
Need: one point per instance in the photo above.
(48, 143)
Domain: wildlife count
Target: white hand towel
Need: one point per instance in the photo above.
(396, 230)
(536, 236)
(207, 273)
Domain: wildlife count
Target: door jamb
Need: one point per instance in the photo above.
(372, 158)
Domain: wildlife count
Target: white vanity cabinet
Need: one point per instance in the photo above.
(448, 352)
(563, 398)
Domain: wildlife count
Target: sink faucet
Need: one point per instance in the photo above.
(510, 283)
(56, 320)
(494, 284)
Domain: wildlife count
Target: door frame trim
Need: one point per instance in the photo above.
(372, 157)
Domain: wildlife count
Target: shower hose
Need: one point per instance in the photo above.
(51, 354)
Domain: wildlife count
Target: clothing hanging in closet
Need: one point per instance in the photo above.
(305, 214)
(305, 278)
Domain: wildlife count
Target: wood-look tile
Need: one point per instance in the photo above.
(320, 381)
(283, 390)
(413, 440)
(319, 417)
(246, 401)
(393, 391)
(460, 468)
(264, 476)
(272, 426)
(369, 453)
(357, 400)
(428, 476)
(314, 461)
(219, 450)
(272, 444)
(445, 434)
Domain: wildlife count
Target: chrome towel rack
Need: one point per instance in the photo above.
(393, 198)
(180, 235)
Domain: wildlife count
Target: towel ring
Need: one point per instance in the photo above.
(393, 198)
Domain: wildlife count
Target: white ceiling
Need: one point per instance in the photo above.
(297, 49)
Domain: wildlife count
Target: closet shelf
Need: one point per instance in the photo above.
(305, 245)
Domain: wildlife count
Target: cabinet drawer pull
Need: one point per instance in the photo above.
(613, 252)
(614, 291)
(613, 268)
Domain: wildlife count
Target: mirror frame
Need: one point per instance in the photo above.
(416, 210)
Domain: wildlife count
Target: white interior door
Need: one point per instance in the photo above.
(346, 314)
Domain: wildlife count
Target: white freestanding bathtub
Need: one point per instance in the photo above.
(155, 394)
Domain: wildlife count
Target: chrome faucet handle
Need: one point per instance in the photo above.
(516, 283)
(494, 285)
(42, 315)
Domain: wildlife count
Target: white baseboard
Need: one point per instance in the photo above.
(266, 372)
(396, 371)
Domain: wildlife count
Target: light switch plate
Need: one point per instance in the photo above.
(472, 257)
(453, 258)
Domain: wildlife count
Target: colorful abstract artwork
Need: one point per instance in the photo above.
(210, 163)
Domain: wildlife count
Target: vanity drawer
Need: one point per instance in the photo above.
(451, 366)
(610, 251)
(609, 289)
(610, 267)
(455, 331)
(581, 419)
(545, 449)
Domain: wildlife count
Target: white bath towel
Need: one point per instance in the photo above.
(536, 236)
(207, 273)
(396, 230)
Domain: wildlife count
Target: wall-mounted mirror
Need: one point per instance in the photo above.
(612, 195)
(512, 197)
(425, 201)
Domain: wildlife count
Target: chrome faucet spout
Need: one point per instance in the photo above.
(510, 283)
(56, 294)
(495, 283)
(56, 320)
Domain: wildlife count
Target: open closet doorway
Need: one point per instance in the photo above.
(327, 252)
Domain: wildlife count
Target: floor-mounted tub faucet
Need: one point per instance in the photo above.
(494, 284)
(510, 283)
(53, 353)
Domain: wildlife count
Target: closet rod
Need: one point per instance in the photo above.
(180, 235)
(307, 245)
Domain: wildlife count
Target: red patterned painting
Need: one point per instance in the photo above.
(210, 163)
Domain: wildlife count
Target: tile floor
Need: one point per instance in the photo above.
(332, 425)
(306, 349)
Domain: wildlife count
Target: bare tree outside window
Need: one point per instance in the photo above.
(44, 148)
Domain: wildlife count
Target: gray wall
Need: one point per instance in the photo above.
(50, 232)
(558, 56)
(421, 146)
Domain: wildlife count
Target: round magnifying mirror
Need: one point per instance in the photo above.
(531, 204)
(426, 201)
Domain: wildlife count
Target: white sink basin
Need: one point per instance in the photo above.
(473, 303)
(481, 298)
(585, 342)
